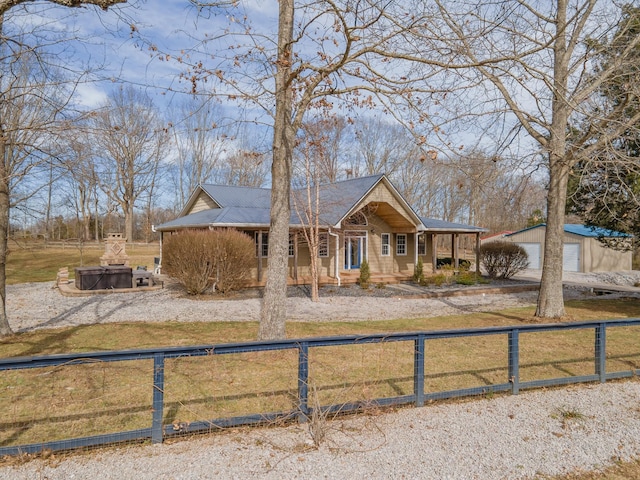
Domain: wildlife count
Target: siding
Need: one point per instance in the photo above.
(400, 218)
(594, 257)
(202, 202)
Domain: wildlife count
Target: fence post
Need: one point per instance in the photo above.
(418, 370)
(303, 382)
(158, 397)
(514, 361)
(601, 352)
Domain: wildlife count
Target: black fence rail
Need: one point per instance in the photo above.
(419, 342)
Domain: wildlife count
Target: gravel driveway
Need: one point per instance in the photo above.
(53, 310)
(504, 437)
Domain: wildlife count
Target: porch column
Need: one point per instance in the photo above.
(295, 256)
(415, 250)
(336, 255)
(434, 252)
(259, 255)
(478, 253)
(455, 247)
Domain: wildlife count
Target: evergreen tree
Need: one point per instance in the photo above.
(604, 190)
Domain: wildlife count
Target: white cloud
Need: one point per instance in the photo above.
(90, 95)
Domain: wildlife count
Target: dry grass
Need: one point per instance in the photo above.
(35, 262)
(65, 402)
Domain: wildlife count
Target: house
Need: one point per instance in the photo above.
(583, 252)
(361, 218)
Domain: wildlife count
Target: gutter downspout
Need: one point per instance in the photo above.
(337, 257)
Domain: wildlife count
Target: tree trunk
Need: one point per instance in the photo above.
(128, 222)
(550, 298)
(5, 328)
(273, 314)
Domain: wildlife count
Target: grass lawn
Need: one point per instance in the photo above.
(79, 400)
(35, 262)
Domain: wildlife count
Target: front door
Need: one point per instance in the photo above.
(353, 251)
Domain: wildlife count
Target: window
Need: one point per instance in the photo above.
(422, 244)
(401, 244)
(292, 244)
(357, 218)
(385, 239)
(323, 245)
(265, 243)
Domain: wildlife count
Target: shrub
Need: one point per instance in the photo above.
(198, 258)
(365, 275)
(503, 259)
(234, 255)
(186, 257)
(439, 279)
(466, 278)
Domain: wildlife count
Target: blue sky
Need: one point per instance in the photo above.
(173, 26)
(121, 38)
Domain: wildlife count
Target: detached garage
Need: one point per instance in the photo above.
(583, 252)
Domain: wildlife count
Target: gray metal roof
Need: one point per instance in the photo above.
(200, 219)
(435, 226)
(244, 197)
(338, 199)
(250, 207)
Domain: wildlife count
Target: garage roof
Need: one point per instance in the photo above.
(582, 230)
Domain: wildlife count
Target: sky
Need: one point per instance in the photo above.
(126, 35)
(128, 39)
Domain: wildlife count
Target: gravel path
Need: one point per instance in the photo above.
(505, 437)
(51, 309)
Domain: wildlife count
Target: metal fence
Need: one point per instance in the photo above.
(418, 342)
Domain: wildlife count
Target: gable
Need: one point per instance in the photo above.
(202, 202)
(385, 204)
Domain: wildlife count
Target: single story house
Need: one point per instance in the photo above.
(583, 252)
(360, 218)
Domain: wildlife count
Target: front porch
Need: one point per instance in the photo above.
(346, 278)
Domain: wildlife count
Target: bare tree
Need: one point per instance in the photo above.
(77, 159)
(199, 143)
(311, 164)
(6, 5)
(529, 64)
(332, 53)
(383, 146)
(131, 140)
(26, 110)
(326, 149)
(244, 167)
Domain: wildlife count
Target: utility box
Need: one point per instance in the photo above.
(103, 278)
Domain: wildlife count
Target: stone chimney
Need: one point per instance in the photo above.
(114, 253)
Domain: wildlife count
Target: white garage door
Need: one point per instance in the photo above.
(533, 251)
(571, 257)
